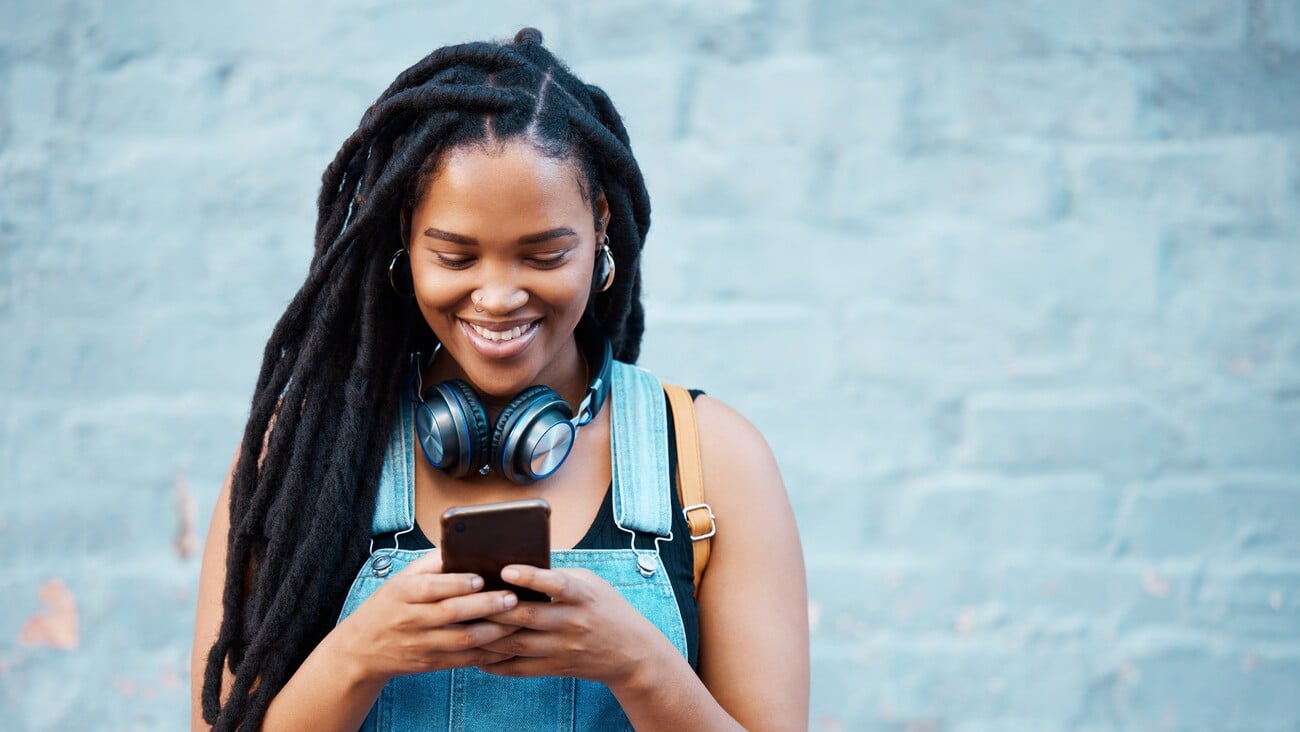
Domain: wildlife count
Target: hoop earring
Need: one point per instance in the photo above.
(604, 266)
(392, 281)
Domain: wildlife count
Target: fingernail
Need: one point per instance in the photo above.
(476, 582)
(509, 600)
(509, 574)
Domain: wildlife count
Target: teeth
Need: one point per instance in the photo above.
(501, 335)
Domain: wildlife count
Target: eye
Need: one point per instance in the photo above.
(453, 261)
(548, 260)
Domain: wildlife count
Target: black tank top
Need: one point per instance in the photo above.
(678, 555)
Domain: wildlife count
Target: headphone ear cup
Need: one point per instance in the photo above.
(461, 436)
(520, 427)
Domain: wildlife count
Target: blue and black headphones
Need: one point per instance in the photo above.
(534, 433)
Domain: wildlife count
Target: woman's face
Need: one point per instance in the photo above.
(502, 246)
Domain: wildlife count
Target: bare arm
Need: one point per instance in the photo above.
(417, 621)
(753, 596)
(339, 692)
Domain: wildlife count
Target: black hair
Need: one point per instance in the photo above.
(301, 505)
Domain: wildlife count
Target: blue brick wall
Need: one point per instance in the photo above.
(1013, 289)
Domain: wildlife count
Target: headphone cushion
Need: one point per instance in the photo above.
(506, 420)
(477, 419)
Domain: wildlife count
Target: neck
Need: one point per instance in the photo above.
(568, 375)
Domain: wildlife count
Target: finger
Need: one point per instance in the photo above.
(539, 616)
(463, 659)
(530, 644)
(455, 638)
(464, 608)
(423, 588)
(558, 584)
(525, 667)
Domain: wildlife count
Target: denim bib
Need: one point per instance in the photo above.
(467, 699)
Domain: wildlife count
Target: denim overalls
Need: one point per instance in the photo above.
(469, 699)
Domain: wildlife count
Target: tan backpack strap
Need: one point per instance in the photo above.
(690, 477)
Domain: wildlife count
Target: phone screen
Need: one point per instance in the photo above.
(483, 539)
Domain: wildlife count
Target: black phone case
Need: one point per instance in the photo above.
(484, 539)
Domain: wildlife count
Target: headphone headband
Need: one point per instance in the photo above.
(598, 352)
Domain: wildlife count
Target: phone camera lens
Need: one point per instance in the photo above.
(460, 527)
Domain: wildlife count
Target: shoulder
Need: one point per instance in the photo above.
(733, 441)
(741, 474)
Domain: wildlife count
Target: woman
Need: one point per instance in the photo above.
(479, 239)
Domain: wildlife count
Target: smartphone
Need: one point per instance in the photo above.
(484, 539)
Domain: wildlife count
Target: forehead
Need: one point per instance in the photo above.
(513, 181)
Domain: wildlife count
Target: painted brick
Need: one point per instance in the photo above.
(1009, 260)
(1218, 92)
(1181, 686)
(1099, 433)
(649, 93)
(960, 99)
(1236, 183)
(109, 501)
(1208, 518)
(1283, 22)
(1248, 345)
(693, 178)
(6, 107)
(987, 594)
(1262, 600)
(1015, 184)
(131, 665)
(34, 29)
(1229, 265)
(1251, 436)
(734, 29)
(893, 265)
(884, 692)
(689, 340)
(761, 104)
(1007, 28)
(1057, 515)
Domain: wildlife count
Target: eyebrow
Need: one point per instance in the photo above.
(540, 236)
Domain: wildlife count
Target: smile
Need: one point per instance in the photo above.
(499, 336)
(498, 341)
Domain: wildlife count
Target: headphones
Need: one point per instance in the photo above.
(533, 435)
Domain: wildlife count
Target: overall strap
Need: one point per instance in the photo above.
(395, 501)
(638, 446)
(690, 478)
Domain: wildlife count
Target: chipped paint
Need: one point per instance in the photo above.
(56, 625)
(1155, 585)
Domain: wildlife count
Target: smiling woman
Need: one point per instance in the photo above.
(466, 336)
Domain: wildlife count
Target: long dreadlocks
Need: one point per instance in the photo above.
(333, 366)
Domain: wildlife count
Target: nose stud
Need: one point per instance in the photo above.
(478, 304)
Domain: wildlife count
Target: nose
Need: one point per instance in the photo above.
(501, 297)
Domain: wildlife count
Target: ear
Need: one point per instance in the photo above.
(602, 216)
(405, 217)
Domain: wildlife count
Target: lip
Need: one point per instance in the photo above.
(500, 349)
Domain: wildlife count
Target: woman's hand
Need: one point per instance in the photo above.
(420, 621)
(588, 630)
